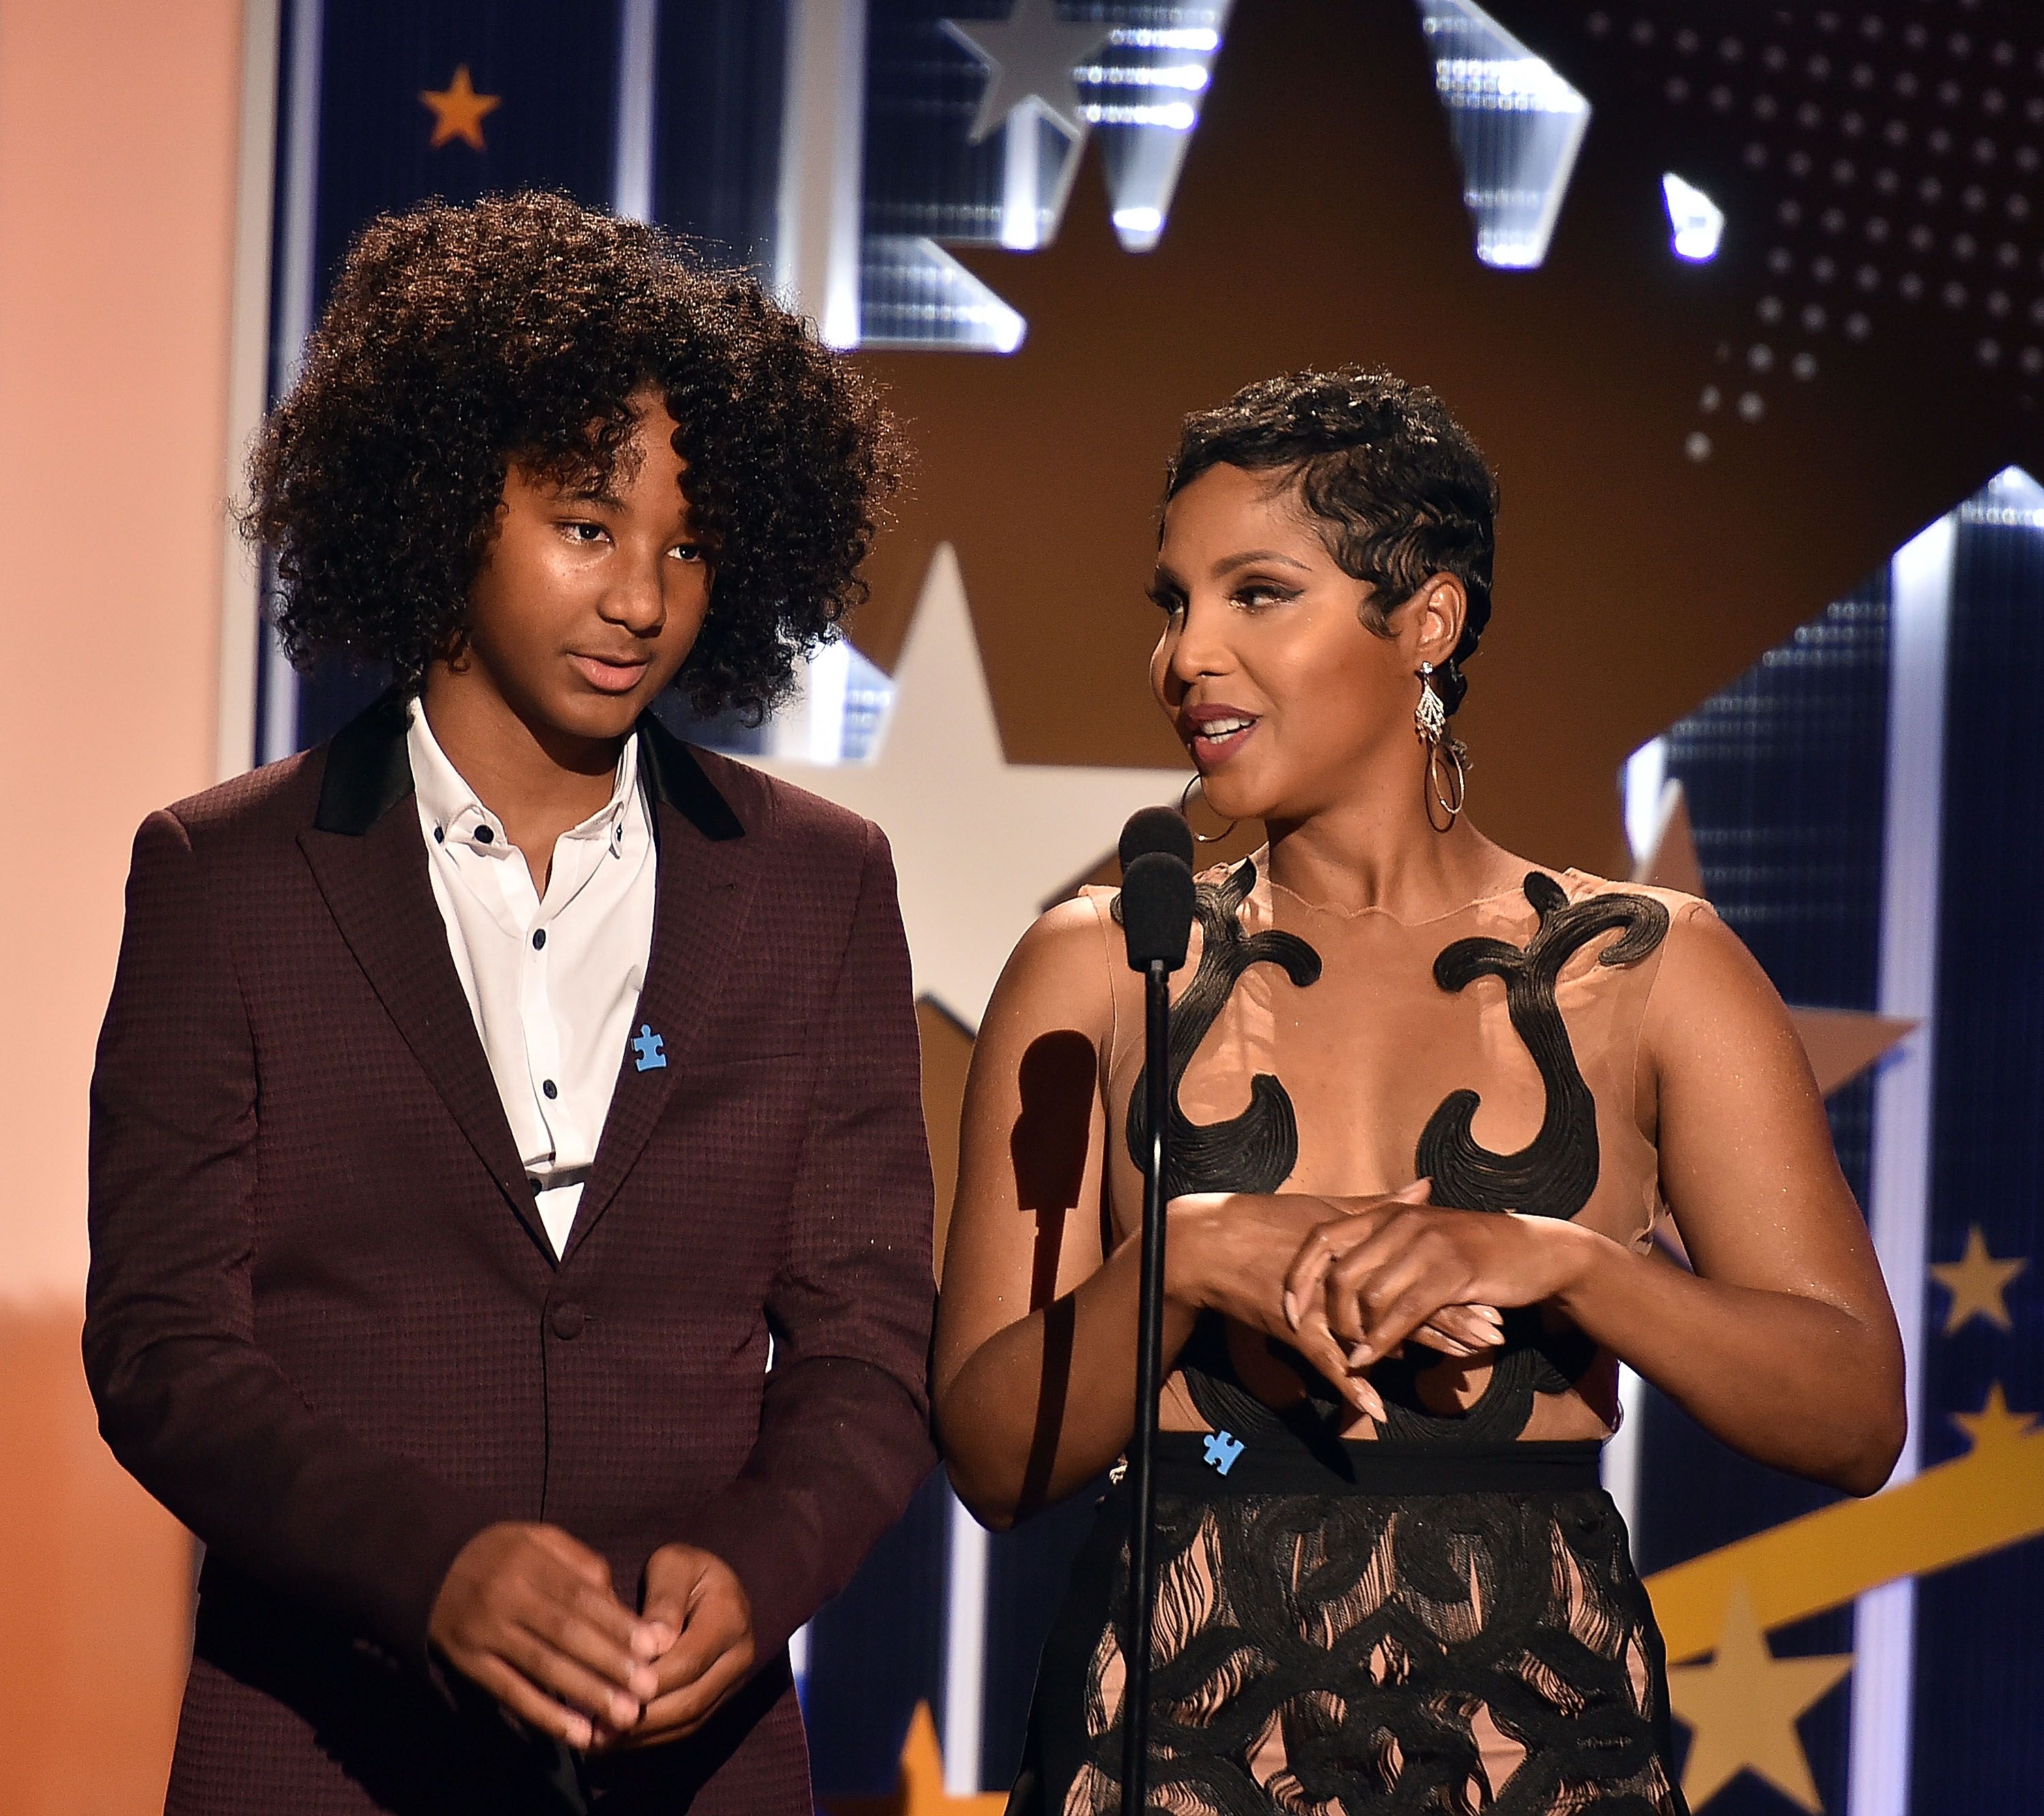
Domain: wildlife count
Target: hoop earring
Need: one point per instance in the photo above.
(1429, 719)
(1457, 760)
(1184, 800)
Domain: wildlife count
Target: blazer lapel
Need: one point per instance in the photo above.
(370, 862)
(702, 894)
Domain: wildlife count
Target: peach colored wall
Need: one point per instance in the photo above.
(118, 122)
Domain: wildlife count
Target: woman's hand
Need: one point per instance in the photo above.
(1234, 1253)
(1366, 1283)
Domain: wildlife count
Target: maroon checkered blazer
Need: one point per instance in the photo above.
(326, 1329)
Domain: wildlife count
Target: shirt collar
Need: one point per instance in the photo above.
(448, 804)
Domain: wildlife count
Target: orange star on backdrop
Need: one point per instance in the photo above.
(1740, 1709)
(458, 110)
(920, 1791)
(1994, 1424)
(1977, 1282)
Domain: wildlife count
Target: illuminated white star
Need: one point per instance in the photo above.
(980, 844)
(1029, 56)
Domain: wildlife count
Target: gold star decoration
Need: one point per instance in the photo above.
(458, 110)
(1841, 1043)
(1994, 1424)
(1977, 1282)
(921, 1790)
(1740, 1709)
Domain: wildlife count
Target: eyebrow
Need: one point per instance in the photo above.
(1228, 564)
(1164, 575)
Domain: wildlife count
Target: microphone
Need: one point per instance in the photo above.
(1156, 851)
(1157, 916)
(1156, 829)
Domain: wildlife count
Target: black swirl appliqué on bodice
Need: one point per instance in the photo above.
(1256, 1150)
(1553, 1176)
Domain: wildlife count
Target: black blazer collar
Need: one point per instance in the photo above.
(369, 771)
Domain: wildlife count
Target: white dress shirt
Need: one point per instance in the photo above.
(553, 980)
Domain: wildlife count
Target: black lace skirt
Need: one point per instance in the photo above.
(1365, 1628)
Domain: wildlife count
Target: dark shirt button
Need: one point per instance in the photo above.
(439, 835)
(534, 1184)
(539, 938)
(551, 1088)
(483, 836)
(567, 1320)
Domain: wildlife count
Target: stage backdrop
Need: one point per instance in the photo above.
(1746, 304)
(118, 124)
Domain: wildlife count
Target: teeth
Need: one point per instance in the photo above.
(1225, 727)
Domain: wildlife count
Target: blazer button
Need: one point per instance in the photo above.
(567, 1320)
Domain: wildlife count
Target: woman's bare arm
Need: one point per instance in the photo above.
(1035, 1376)
(1782, 1342)
(1035, 1365)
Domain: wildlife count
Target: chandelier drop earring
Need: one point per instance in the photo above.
(1184, 802)
(1447, 758)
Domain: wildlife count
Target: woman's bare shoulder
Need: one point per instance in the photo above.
(1062, 970)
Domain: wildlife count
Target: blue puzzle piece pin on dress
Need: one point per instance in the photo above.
(1223, 1448)
(650, 1047)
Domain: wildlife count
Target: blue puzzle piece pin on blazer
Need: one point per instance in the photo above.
(650, 1047)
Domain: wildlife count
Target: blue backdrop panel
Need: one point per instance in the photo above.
(1027, 1570)
(1980, 1658)
(555, 127)
(1784, 772)
(718, 102)
(877, 1651)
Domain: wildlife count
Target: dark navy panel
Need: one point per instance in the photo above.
(1784, 772)
(923, 173)
(717, 155)
(877, 1650)
(925, 177)
(1027, 1570)
(1979, 1744)
(554, 69)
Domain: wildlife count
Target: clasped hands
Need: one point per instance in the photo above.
(1349, 1281)
(529, 1612)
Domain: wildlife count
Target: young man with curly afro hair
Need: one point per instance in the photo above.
(510, 1210)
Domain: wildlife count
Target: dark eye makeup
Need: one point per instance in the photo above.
(1258, 594)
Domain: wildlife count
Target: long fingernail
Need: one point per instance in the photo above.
(579, 1732)
(1360, 1355)
(1488, 1312)
(1291, 1308)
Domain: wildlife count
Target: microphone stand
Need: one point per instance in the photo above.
(1149, 1365)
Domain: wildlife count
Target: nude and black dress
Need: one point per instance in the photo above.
(1443, 1618)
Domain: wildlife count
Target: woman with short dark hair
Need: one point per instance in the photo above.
(1429, 1101)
